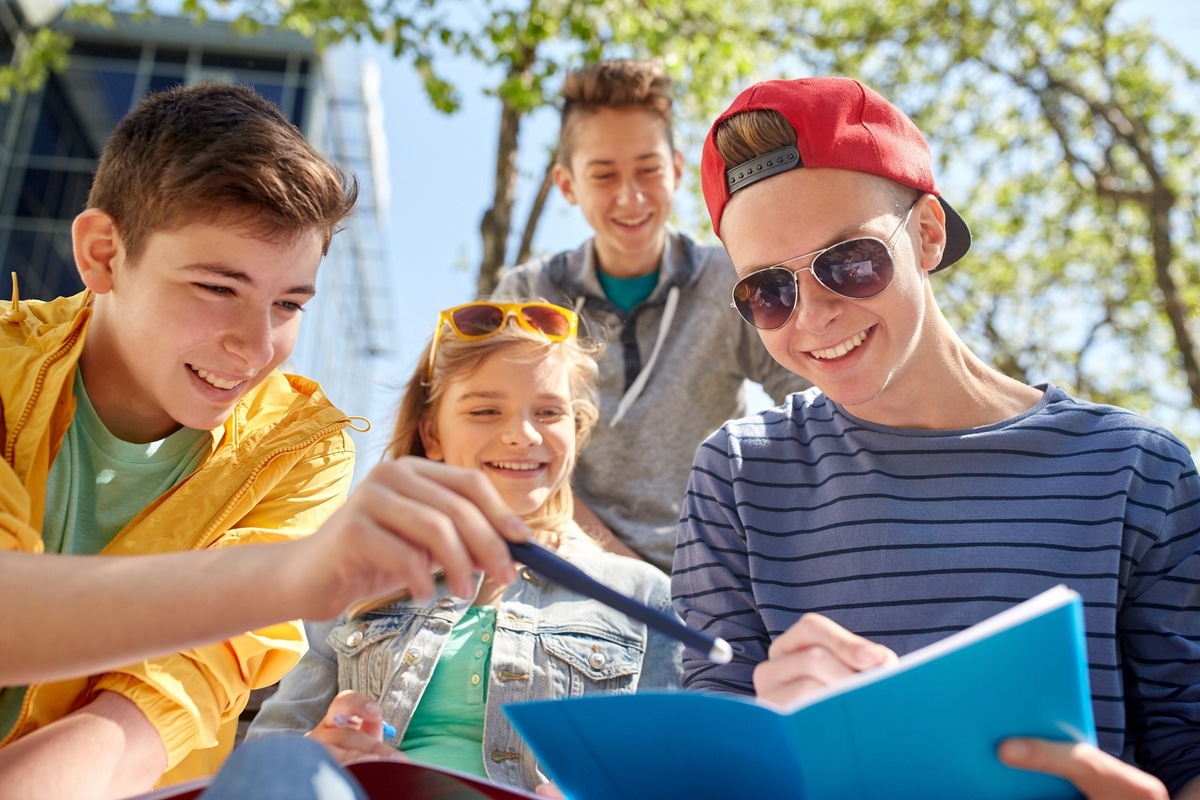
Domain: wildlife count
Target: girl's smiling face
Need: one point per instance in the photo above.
(510, 417)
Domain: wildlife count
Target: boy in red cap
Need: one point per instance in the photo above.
(915, 489)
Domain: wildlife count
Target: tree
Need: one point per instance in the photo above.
(1065, 133)
(526, 46)
(1067, 136)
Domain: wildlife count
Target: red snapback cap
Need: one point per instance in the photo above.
(840, 124)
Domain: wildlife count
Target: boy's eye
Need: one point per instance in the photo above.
(291, 305)
(215, 288)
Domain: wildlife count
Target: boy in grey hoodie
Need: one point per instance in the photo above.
(677, 355)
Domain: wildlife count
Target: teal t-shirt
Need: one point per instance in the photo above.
(625, 293)
(446, 729)
(98, 482)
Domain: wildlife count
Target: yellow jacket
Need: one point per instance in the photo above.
(280, 465)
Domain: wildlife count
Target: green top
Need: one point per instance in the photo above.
(447, 726)
(626, 293)
(98, 483)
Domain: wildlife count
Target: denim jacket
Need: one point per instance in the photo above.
(549, 642)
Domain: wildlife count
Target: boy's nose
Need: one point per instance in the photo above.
(253, 340)
(630, 193)
(816, 306)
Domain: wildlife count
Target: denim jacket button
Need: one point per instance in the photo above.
(597, 660)
(445, 602)
(412, 656)
(354, 638)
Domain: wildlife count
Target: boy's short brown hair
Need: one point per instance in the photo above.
(213, 151)
(618, 83)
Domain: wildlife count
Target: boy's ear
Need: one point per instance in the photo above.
(564, 180)
(97, 245)
(678, 167)
(429, 439)
(932, 241)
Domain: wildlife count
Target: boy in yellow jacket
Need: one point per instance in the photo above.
(146, 416)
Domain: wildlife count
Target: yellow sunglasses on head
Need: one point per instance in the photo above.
(480, 320)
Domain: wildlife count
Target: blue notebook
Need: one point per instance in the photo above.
(924, 727)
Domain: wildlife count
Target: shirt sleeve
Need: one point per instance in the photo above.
(304, 695)
(1159, 626)
(662, 664)
(710, 581)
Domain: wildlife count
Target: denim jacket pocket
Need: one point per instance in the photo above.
(372, 649)
(596, 664)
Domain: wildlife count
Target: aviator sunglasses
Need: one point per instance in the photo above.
(480, 320)
(856, 269)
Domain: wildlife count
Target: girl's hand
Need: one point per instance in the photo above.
(1095, 773)
(353, 730)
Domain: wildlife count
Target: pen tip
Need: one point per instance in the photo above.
(721, 652)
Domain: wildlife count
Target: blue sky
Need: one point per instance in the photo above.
(441, 170)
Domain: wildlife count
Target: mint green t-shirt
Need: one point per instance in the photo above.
(98, 482)
(446, 729)
(625, 293)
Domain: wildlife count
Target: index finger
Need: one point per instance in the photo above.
(817, 630)
(455, 514)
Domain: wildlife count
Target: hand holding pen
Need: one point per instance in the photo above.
(353, 728)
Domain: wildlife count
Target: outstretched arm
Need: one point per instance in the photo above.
(406, 518)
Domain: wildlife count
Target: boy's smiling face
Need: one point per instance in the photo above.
(178, 338)
(623, 177)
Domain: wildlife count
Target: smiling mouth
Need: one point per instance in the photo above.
(214, 381)
(633, 223)
(516, 466)
(839, 350)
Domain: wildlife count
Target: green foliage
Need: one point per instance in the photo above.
(1066, 135)
(1063, 130)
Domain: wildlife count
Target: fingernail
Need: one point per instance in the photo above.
(1017, 749)
(372, 708)
(341, 720)
(516, 526)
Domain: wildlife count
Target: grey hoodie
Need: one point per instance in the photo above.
(671, 373)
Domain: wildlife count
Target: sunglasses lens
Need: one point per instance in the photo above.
(857, 269)
(766, 298)
(478, 319)
(549, 321)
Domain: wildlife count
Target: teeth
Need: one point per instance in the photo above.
(214, 380)
(520, 466)
(633, 223)
(841, 349)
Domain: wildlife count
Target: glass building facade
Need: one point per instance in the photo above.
(50, 141)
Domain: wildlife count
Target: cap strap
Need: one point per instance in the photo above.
(764, 166)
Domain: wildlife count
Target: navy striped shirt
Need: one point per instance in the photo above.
(905, 536)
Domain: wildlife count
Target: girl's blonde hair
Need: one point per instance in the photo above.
(457, 357)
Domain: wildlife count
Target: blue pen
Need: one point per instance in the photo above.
(564, 573)
(343, 721)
